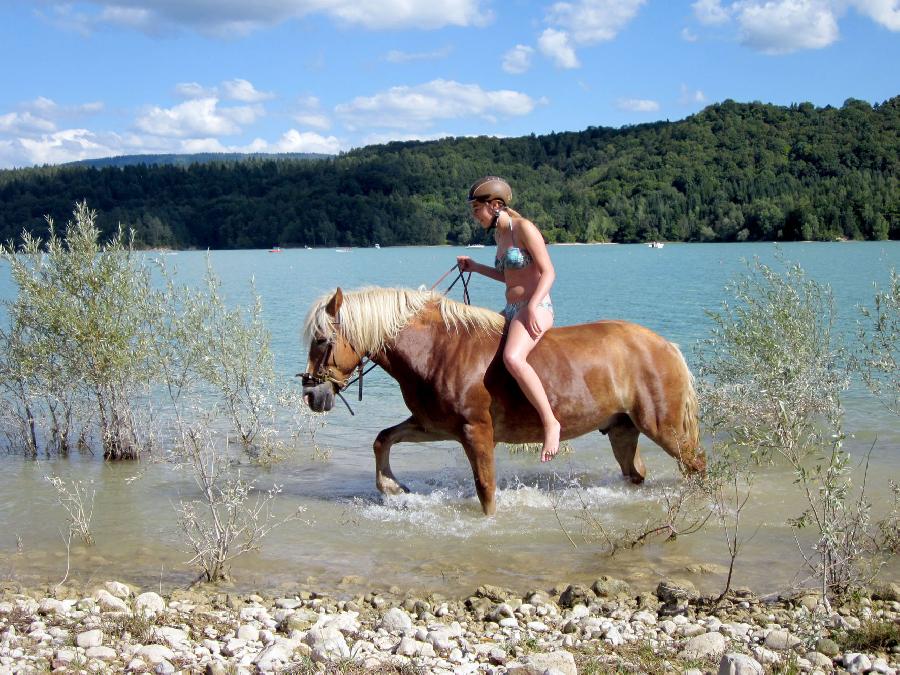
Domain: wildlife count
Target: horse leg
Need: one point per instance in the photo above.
(623, 436)
(409, 430)
(478, 442)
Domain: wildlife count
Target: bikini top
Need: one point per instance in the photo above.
(513, 258)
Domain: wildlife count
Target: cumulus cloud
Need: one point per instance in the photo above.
(242, 90)
(397, 56)
(637, 105)
(238, 17)
(420, 106)
(555, 45)
(200, 117)
(592, 21)
(25, 122)
(309, 114)
(710, 12)
(307, 141)
(786, 26)
(194, 90)
(518, 59)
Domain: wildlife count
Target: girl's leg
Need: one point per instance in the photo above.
(519, 344)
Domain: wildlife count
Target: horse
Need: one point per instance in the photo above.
(613, 376)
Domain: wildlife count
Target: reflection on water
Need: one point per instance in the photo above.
(435, 538)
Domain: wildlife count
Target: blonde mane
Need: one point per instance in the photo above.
(370, 317)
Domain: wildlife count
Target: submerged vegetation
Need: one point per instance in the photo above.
(732, 172)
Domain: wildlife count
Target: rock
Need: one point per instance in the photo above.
(277, 653)
(819, 660)
(234, 647)
(395, 620)
(102, 653)
(118, 589)
(857, 663)
(739, 664)
(248, 633)
(781, 640)
(410, 647)
(827, 647)
(346, 622)
(137, 665)
(164, 668)
(91, 638)
(63, 658)
(607, 587)
(149, 603)
(708, 645)
(706, 568)
(174, 637)
(155, 654)
(327, 644)
(440, 639)
(644, 617)
(561, 662)
(573, 595)
(671, 593)
(494, 593)
(110, 603)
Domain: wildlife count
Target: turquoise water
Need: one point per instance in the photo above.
(435, 538)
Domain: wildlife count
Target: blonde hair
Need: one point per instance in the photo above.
(370, 317)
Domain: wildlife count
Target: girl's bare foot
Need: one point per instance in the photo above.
(551, 441)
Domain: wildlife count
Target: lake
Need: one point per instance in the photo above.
(436, 538)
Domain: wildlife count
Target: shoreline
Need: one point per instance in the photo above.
(569, 628)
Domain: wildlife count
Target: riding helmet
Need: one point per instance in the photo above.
(488, 188)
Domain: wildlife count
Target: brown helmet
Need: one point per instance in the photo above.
(488, 188)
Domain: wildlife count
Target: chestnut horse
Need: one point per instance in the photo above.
(612, 376)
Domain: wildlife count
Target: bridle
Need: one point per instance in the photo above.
(324, 373)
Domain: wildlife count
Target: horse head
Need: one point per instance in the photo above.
(332, 359)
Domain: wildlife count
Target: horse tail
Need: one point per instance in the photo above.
(692, 454)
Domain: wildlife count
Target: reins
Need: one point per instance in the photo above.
(366, 361)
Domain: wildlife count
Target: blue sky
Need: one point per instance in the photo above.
(98, 78)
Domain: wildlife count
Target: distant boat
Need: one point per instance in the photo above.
(377, 245)
(655, 244)
(275, 249)
(475, 246)
(307, 247)
(343, 249)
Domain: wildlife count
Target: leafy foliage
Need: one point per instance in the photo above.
(732, 172)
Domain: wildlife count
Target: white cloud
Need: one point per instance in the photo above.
(314, 120)
(637, 105)
(710, 12)
(688, 35)
(784, 26)
(689, 97)
(418, 107)
(242, 90)
(67, 145)
(397, 56)
(194, 90)
(591, 21)
(239, 17)
(555, 45)
(297, 141)
(19, 123)
(518, 60)
(885, 12)
(197, 118)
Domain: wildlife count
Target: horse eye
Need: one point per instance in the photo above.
(320, 341)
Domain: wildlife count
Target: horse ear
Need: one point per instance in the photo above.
(334, 305)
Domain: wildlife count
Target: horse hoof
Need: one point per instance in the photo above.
(392, 488)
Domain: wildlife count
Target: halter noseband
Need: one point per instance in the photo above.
(323, 372)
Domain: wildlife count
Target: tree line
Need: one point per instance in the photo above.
(732, 172)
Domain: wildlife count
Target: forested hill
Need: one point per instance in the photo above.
(192, 158)
(731, 172)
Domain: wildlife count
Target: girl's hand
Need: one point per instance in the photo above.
(530, 321)
(464, 262)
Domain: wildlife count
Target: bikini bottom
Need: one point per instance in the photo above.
(512, 308)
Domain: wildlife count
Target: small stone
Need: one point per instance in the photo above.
(559, 662)
(708, 645)
(137, 665)
(164, 668)
(118, 589)
(739, 664)
(91, 638)
(857, 663)
(149, 603)
(781, 640)
(494, 593)
(819, 660)
(102, 653)
(607, 587)
(395, 620)
(827, 647)
(573, 595)
(110, 603)
(248, 633)
(155, 653)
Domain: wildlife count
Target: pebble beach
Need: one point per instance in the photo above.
(608, 627)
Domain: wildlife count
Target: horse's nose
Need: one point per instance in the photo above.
(319, 398)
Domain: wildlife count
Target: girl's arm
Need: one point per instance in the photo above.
(466, 264)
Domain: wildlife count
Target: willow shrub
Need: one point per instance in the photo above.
(772, 374)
